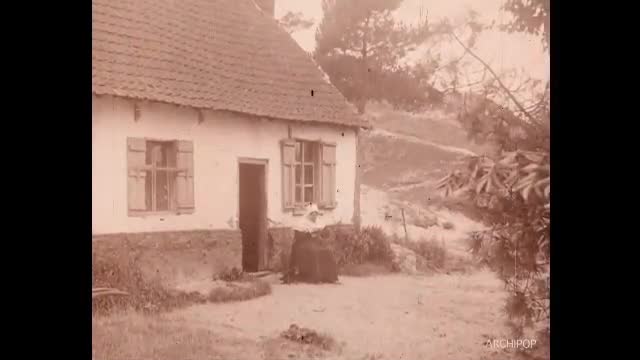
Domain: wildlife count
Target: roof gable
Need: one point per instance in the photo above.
(214, 54)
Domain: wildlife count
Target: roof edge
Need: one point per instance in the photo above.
(313, 122)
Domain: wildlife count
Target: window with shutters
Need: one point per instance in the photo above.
(160, 176)
(308, 173)
(306, 163)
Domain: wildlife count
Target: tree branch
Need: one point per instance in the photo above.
(511, 96)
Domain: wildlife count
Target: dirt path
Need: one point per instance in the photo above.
(454, 149)
(396, 316)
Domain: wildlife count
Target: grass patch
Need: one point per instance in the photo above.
(432, 251)
(307, 336)
(133, 335)
(136, 336)
(246, 290)
(365, 269)
(432, 257)
(119, 269)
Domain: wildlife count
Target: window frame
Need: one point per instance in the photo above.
(173, 143)
(315, 165)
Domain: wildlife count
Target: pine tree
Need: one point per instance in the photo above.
(360, 46)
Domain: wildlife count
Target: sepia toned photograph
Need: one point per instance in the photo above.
(320, 179)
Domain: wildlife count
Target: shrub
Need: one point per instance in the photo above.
(447, 225)
(308, 336)
(232, 274)
(351, 248)
(425, 221)
(118, 269)
(378, 244)
(434, 253)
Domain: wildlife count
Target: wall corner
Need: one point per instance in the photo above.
(356, 220)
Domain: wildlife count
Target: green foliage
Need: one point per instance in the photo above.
(530, 16)
(514, 190)
(377, 243)
(359, 45)
(493, 184)
(488, 122)
(353, 248)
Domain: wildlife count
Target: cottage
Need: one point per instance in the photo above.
(211, 125)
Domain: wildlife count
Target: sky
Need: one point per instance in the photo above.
(501, 50)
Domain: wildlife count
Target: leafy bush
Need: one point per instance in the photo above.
(433, 252)
(378, 245)
(514, 192)
(351, 248)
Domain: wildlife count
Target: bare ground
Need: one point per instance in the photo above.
(383, 317)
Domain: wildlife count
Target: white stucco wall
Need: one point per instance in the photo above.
(218, 143)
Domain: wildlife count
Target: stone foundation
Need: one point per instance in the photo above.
(177, 255)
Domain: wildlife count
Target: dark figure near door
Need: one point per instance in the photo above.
(310, 261)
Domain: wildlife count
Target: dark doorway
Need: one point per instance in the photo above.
(253, 214)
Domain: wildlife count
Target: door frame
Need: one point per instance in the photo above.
(262, 242)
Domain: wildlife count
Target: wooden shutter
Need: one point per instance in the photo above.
(136, 156)
(288, 172)
(328, 176)
(184, 179)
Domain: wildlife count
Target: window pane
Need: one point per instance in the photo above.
(298, 194)
(298, 174)
(149, 153)
(162, 191)
(309, 152)
(173, 200)
(308, 174)
(163, 154)
(308, 194)
(298, 150)
(171, 155)
(160, 154)
(148, 190)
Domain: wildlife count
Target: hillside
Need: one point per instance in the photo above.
(403, 156)
(404, 151)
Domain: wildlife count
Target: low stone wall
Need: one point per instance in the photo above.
(177, 255)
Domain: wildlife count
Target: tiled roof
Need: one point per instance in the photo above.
(213, 54)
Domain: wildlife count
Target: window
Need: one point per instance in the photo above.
(305, 165)
(308, 173)
(160, 176)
